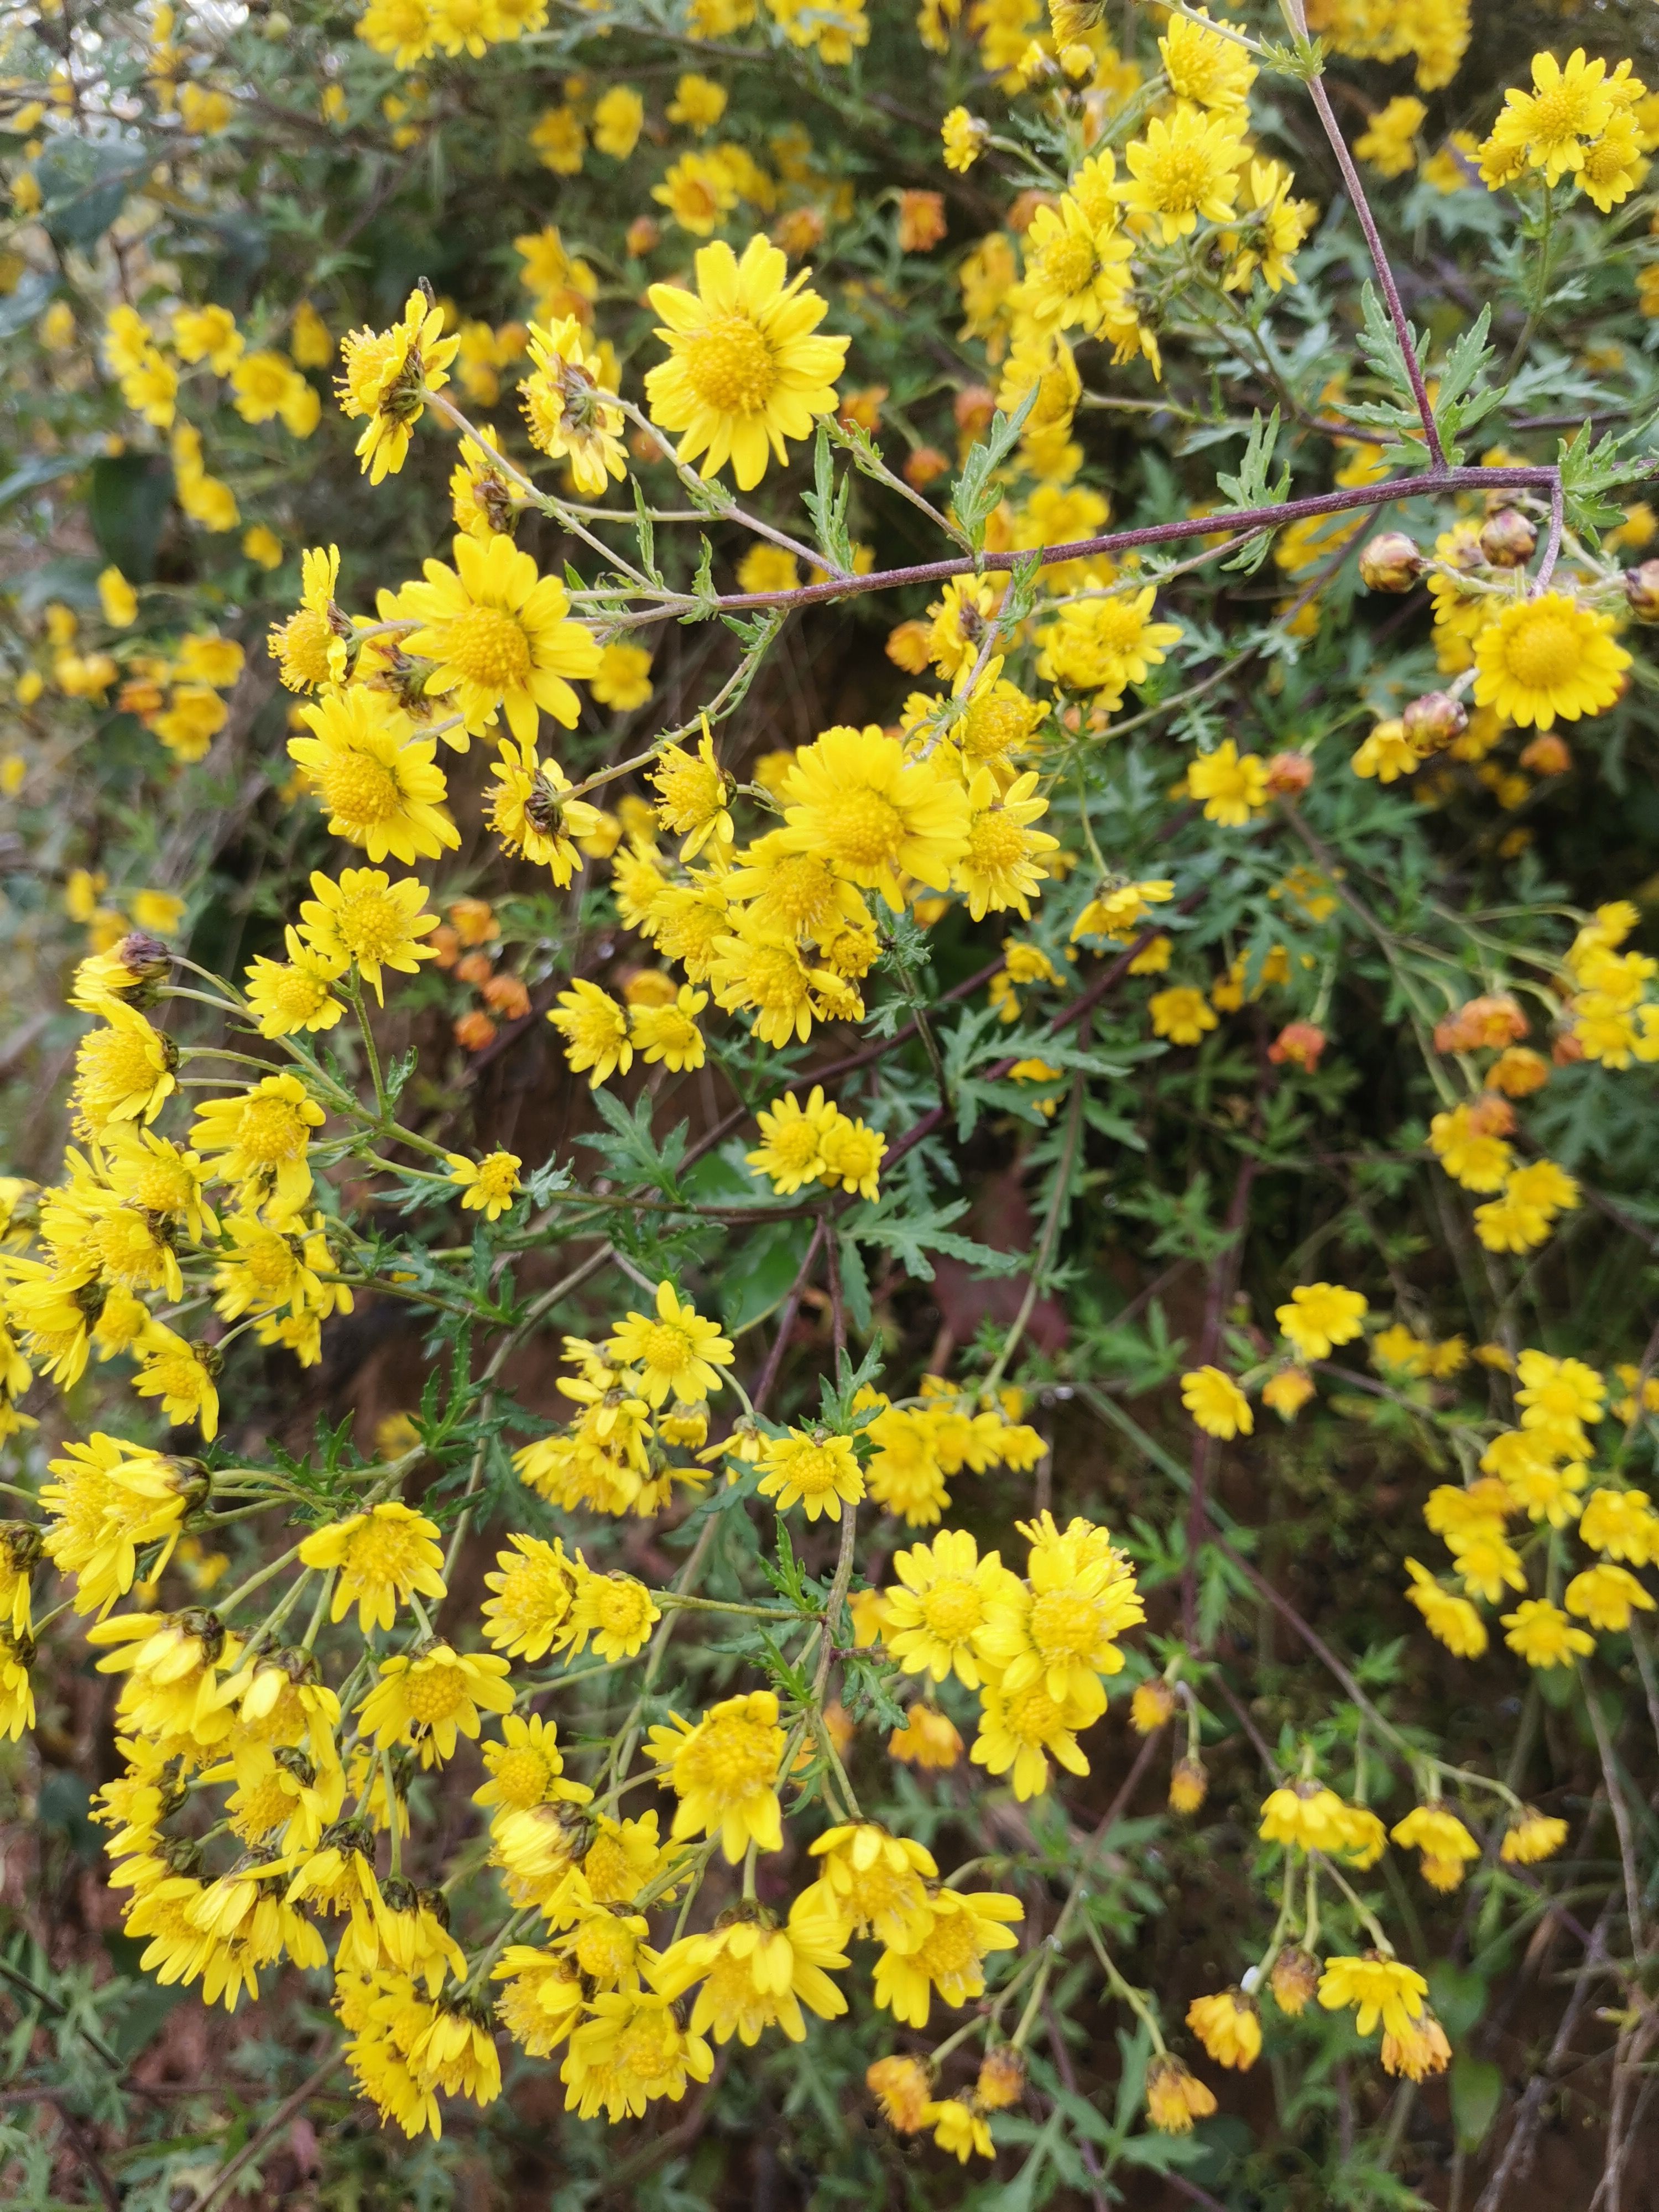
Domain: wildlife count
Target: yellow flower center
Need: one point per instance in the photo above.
(666, 1347)
(1117, 624)
(1543, 651)
(1562, 113)
(996, 843)
(127, 1252)
(949, 1949)
(773, 977)
(264, 1807)
(159, 1187)
(1063, 1622)
(115, 1063)
(800, 891)
(867, 831)
(269, 1264)
(882, 1888)
(283, 1723)
(302, 642)
(813, 1471)
(294, 994)
(1068, 262)
(434, 1693)
(1032, 1715)
(795, 1144)
(271, 1131)
(953, 1610)
(383, 1551)
(610, 1877)
(179, 1373)
(489, 649)
(495, 1177)
(361, 789)
(730, 366)
(1181, 178)
(372, 926)
(604, 1948)
(620, 1607)
(732, 1988)
(992, 728)
(529, 1603)
(371, 359)
(647, 2047)
(732, 1759)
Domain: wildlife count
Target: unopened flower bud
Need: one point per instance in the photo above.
(1509, 538)
(1037, 67)
(1299, 1043)
(644, 233)
(1547, 755)
(20, 1546)
(1189, 1785)
(1434, 721)
(1390, 562)
(1289, 774)
(974, 406)
(1642, 591)
(144, 957)
(1151, 1705)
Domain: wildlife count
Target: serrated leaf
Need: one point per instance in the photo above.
(827, 503)
(645, 533)
(1588, 469)
(854, 1284)
(919, 1236)
(1250, 487)
(635, 1153)
(973, 497)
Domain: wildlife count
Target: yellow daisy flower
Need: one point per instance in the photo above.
(745, 371)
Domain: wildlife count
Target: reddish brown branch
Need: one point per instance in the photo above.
(1346, 500)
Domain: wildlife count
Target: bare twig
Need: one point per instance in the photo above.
(286, 2110)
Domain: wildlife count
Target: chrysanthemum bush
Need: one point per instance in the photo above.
(831, 1086)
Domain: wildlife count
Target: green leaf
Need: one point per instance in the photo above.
(1380, 344)
(854, 1284)
(1477, 2091)
(1458, 1994)
(1588, 470)
(827, 502)
(20, 307)
(918, 1237)
(127, 502)
(975, 497)
(29, 476)
(1457, 405)
(703, 586)
(84, 184)
(646, 533)
(637, 1154)
(771, 1261)
(1250, 487)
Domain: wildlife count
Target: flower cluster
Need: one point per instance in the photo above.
(860, 849)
